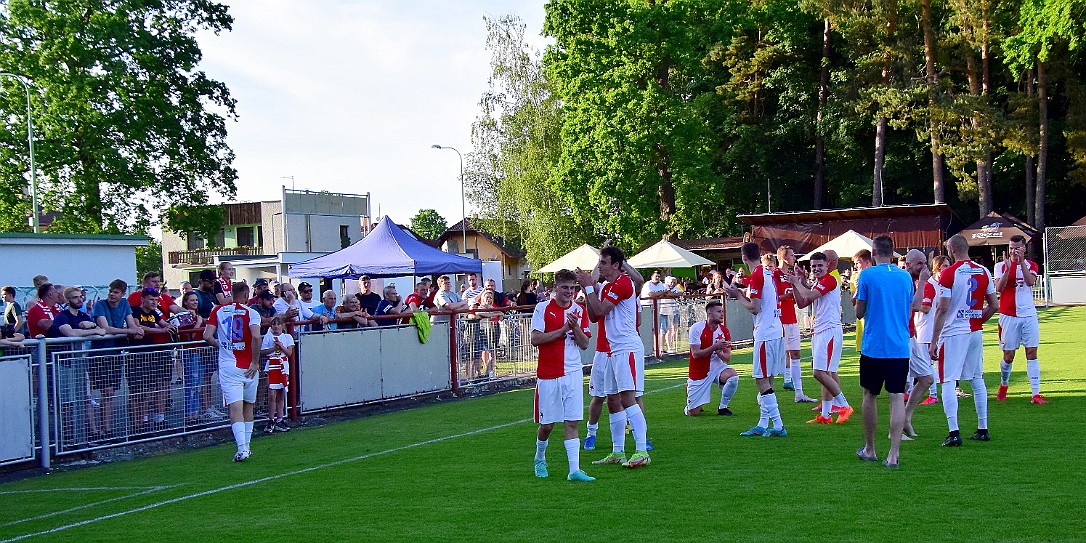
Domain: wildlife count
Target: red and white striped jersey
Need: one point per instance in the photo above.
(231, 324)
(561, 356)
(618, 328)
(827, 308)
(1016, 298)
(967, 284)
(764, 285)
(788, 306)
(703, 336)
(924, 322)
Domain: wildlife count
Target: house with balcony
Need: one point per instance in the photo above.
(501, 262)
(262, 238)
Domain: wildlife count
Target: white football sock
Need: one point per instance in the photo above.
(950, 405)
(639, 425)
(573, 454)
(238, 428)
(617, 422)
(827, 408)
(840, 400)
(788, 371)
(763, 413)
(980, 399)
(592, 429)
(933, 390)
(1033, 371)
(773, 410)
(797, 375)
(1005, 372)
(540, 450)
(727, 390)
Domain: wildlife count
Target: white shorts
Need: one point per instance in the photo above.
(768, 358)
(560, 399)
(600, 362)
(626, 371)
(791, 337)
(1015, 331)
(826, 349)
(699, 392)
(919, 359)
(961, 357)
(235, 386)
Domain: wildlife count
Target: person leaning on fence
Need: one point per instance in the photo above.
(368, 299)
(290, 307)
(166, 303)
(501, 299)
(486, 335)
(527, 295)
(326, 312)
(74, 322)
(114, 314)
(264, 305)
(148, 370)
(352, 310)
(260, 286)
(416, 301)
(235, 330)
(278, 348)
(197, 372)
(446, 300)
(390, 305)
(205, 291)
(39, 317)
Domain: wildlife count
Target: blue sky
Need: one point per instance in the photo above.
(348, 96)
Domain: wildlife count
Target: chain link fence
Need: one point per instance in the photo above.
(1065, 265)
(496, 348)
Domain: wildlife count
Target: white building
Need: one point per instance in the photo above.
(262, 238)
(89, 260)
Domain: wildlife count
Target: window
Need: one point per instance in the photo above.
(219, 240)
(344, 235)
(246, 236)
(454, 247)
(193, 242)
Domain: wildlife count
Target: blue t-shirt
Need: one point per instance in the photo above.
(322, 310)
(66, 317)
(888, 291)
(115, 316)
(383, 309)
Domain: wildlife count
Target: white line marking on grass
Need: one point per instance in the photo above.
(281, 475)
(84, 489)
(148, 490)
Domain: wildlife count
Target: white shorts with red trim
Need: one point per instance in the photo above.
(919, 359)
(961, 357)
(560, 399)
(826, 349)
(791, 337)
(768, 358)
(600, 362)
(698, 393)
(235, 386)
(626, 371)
(1015, 331)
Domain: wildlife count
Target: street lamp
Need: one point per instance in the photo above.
(463, 205)
(30, 142)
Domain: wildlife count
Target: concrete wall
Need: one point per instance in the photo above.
(67, 262)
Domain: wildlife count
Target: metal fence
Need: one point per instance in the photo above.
(1065, 265)
(18, 435)
(490, 349)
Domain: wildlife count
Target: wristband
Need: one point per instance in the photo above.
(589, 289)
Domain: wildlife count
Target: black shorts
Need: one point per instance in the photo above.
(105, 373)
(877, 373)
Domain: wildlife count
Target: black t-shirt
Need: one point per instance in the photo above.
(527, 298)
(149, 319)
(264, 314)
(369, 302)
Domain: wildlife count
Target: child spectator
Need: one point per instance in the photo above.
(278, 347)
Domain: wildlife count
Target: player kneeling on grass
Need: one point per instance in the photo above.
(710, 352)
(560, 331)
(278, 347)
(235, 329)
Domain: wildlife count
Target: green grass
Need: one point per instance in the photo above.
(705, 482)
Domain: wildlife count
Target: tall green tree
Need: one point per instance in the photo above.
(126, 121)
(428, 223)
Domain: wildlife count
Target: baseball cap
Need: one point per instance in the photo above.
(260, 282)
(267, 295)
(207, 275)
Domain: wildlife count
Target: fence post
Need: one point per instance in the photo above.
(1044, 238)
(43, 405)
(656, 326)
(292, 382)
(454, 356)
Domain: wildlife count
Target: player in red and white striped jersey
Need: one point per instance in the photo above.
(235, 330)
(616, 308)
(761, 300)
(828, 335)
(560, 331)
(710, 352)
(924, 319)
(1014, 278)
(956, 341)
(793, 372)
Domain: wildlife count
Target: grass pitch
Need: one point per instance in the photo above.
(463, 471)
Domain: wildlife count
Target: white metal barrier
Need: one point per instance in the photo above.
(17, 435)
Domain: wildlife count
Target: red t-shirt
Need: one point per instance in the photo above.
(164, 302)
(39, 312)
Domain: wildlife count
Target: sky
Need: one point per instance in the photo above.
(348, 96)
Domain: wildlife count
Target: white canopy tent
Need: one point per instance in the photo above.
(585, 257)
(664, 254)
(845, 245)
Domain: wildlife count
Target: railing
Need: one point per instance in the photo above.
(206, 257)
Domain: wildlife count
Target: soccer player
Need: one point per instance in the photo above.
(884, 298)
(761, 301)
(560, 331)
(1014, 279)
(828, 336)
(919, 361)
(616, 308)
(956, 340)
(793, 373)
(710, 352)
(924, 321)
(235, 330)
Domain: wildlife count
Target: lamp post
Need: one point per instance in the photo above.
(463, 204)
(30, 141)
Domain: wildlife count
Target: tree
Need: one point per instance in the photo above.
(126, 122)
(148, 259)
(428, 224)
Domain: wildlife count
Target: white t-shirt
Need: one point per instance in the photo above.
(649, 288)
(304, 313)
(277, 357)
